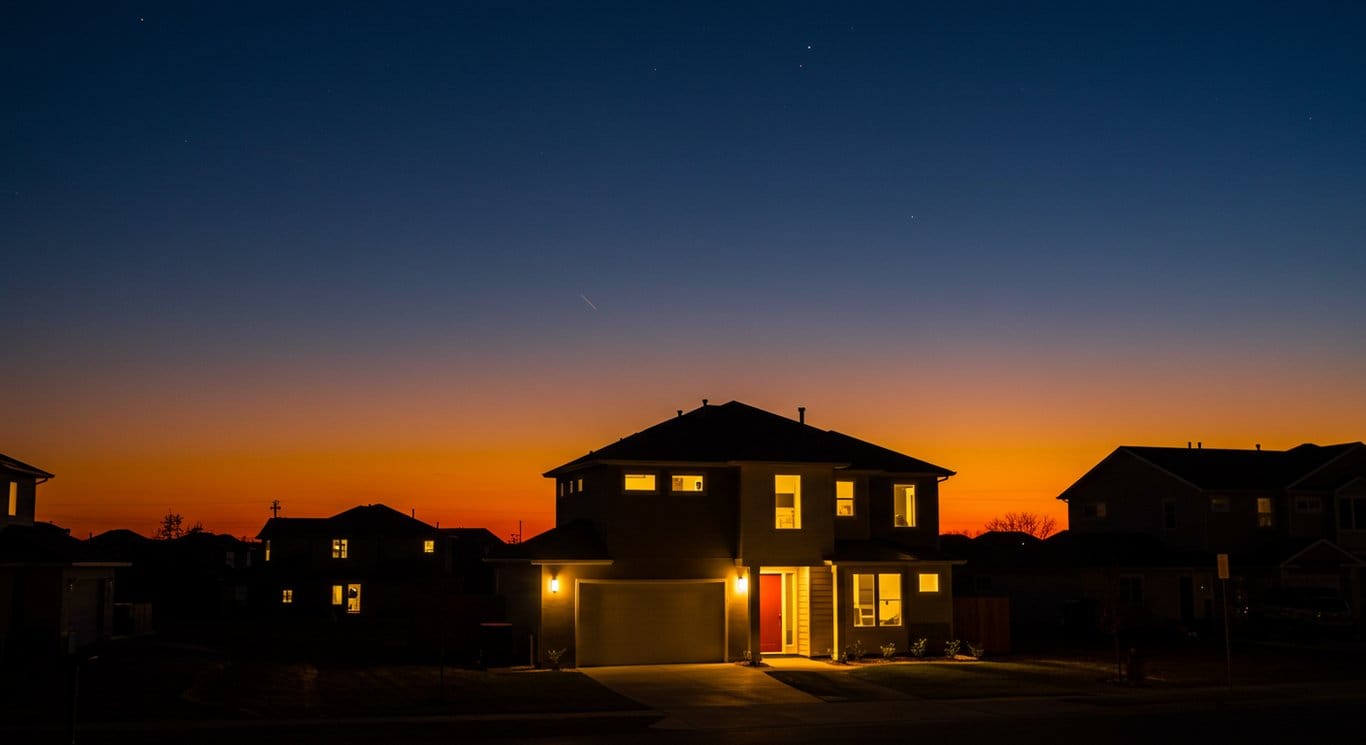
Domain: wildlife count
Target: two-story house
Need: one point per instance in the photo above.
(1286, 518)
(377, 575)
(727, 532)
(56, 593)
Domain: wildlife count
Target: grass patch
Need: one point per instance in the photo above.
(950, 680)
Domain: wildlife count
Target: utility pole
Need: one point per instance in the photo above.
(274, 508)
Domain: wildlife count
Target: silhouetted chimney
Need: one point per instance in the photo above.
(1199, 445)
(704, 402)
(680, 412)
(801, 414)
(1188, 444)
(1259, 446)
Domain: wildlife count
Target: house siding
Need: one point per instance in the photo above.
(822, 611)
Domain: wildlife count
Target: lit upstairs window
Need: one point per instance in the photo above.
(844, 499)
(429, 547)
(787, 502)
(339, 548)
(903, 505)
(639, 482)
(13, 508)
(287, 596)
(929, 582)
(686, 483)
(266, 545)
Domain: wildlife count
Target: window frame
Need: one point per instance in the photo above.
(1266, 518)
(287, 596)
(879, 600)
(701, 477)
(341, 548)
(910, 517)
(796, 502)
(920, 582)
(652, 475)
(853, 491)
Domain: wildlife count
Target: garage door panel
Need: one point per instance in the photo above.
(641, 623)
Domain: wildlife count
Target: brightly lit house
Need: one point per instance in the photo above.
(729, 531)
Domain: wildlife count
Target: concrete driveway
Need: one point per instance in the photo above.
(673, 687)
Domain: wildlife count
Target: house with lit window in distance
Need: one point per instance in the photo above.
(730, 531)
(382, 575)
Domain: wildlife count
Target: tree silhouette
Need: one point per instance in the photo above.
(1039, 526)
(170, 527)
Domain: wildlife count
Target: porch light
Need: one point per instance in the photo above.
(741, 583)
(554, 584)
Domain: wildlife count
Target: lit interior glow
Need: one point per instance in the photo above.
(929, 582)
(787, 502)
(640, 482)
(429, 547)
(554, 584)
(844, 498)
(686, 482)
(903, 505)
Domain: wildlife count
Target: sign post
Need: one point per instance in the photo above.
(1222, 563)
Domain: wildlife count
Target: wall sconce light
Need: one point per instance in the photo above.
(741, 583)
(554, 584)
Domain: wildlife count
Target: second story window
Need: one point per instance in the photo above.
(13, 508)
(266, 545)
(844, 498)
(639, 482)
(1265, 517)
(903, 505)
(287, 596)
(686, 482)
(1093, 509)
(1352, 513)
(339, 548)
(1308, 504)
(429, 546)
(1218, 504)
(787, 502)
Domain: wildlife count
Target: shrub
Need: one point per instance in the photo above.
(855, 651)
(975, 652)
(951, 648)
(554, 655)
(918, 647)
(888, 650)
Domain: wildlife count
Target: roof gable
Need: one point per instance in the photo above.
(12, 464)
(735, 431)
(1231, 470)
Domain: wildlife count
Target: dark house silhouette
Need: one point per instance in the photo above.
(56, 593)
(380, 575)
(1291, 521)
(727, 531)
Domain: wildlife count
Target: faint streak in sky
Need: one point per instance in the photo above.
(590, 302)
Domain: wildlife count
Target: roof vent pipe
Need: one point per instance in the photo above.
(1199, 445)
(680, 412)
(1188, 444)
(704, 402)
(1259, 447)
(801, 414)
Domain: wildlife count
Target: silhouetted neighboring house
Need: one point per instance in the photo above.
(374, 568)
(729, 531)
(1287, 519)
(196, 577)
(56, 594)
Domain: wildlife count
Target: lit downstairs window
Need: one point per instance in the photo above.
(1265, 518)
(338, 594)
(353, 598)
(13, 508)
(844, 499)
(686, 483)
(929, 582)
(639, 482)
(429, 547)
(787, 502)
(339, 548)
(903, 505)
(877, 599)
(287, 596)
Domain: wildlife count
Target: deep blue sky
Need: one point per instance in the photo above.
(200, 196)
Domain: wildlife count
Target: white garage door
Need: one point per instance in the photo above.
(645, 623)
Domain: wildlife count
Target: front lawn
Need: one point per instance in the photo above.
(987, 679)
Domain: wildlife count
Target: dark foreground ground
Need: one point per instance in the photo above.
(152, 692)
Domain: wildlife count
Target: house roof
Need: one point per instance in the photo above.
(365, 520)
(577, 541)
(45, 543)
(1233, 470)
(735, 431)
(873, 550)
(12, 464)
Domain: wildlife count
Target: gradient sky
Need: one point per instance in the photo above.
(350, 253)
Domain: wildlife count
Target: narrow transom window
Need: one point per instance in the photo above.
(686, 482)
(787, 502)
(903, 505)
(642, 482)
(844, 498)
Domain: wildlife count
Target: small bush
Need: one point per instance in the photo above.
(855, 651)
(918, 647)
(951, 648)
(975, 652)
(553, 656)
(888, 650)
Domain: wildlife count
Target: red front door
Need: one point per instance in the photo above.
(771, 613)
